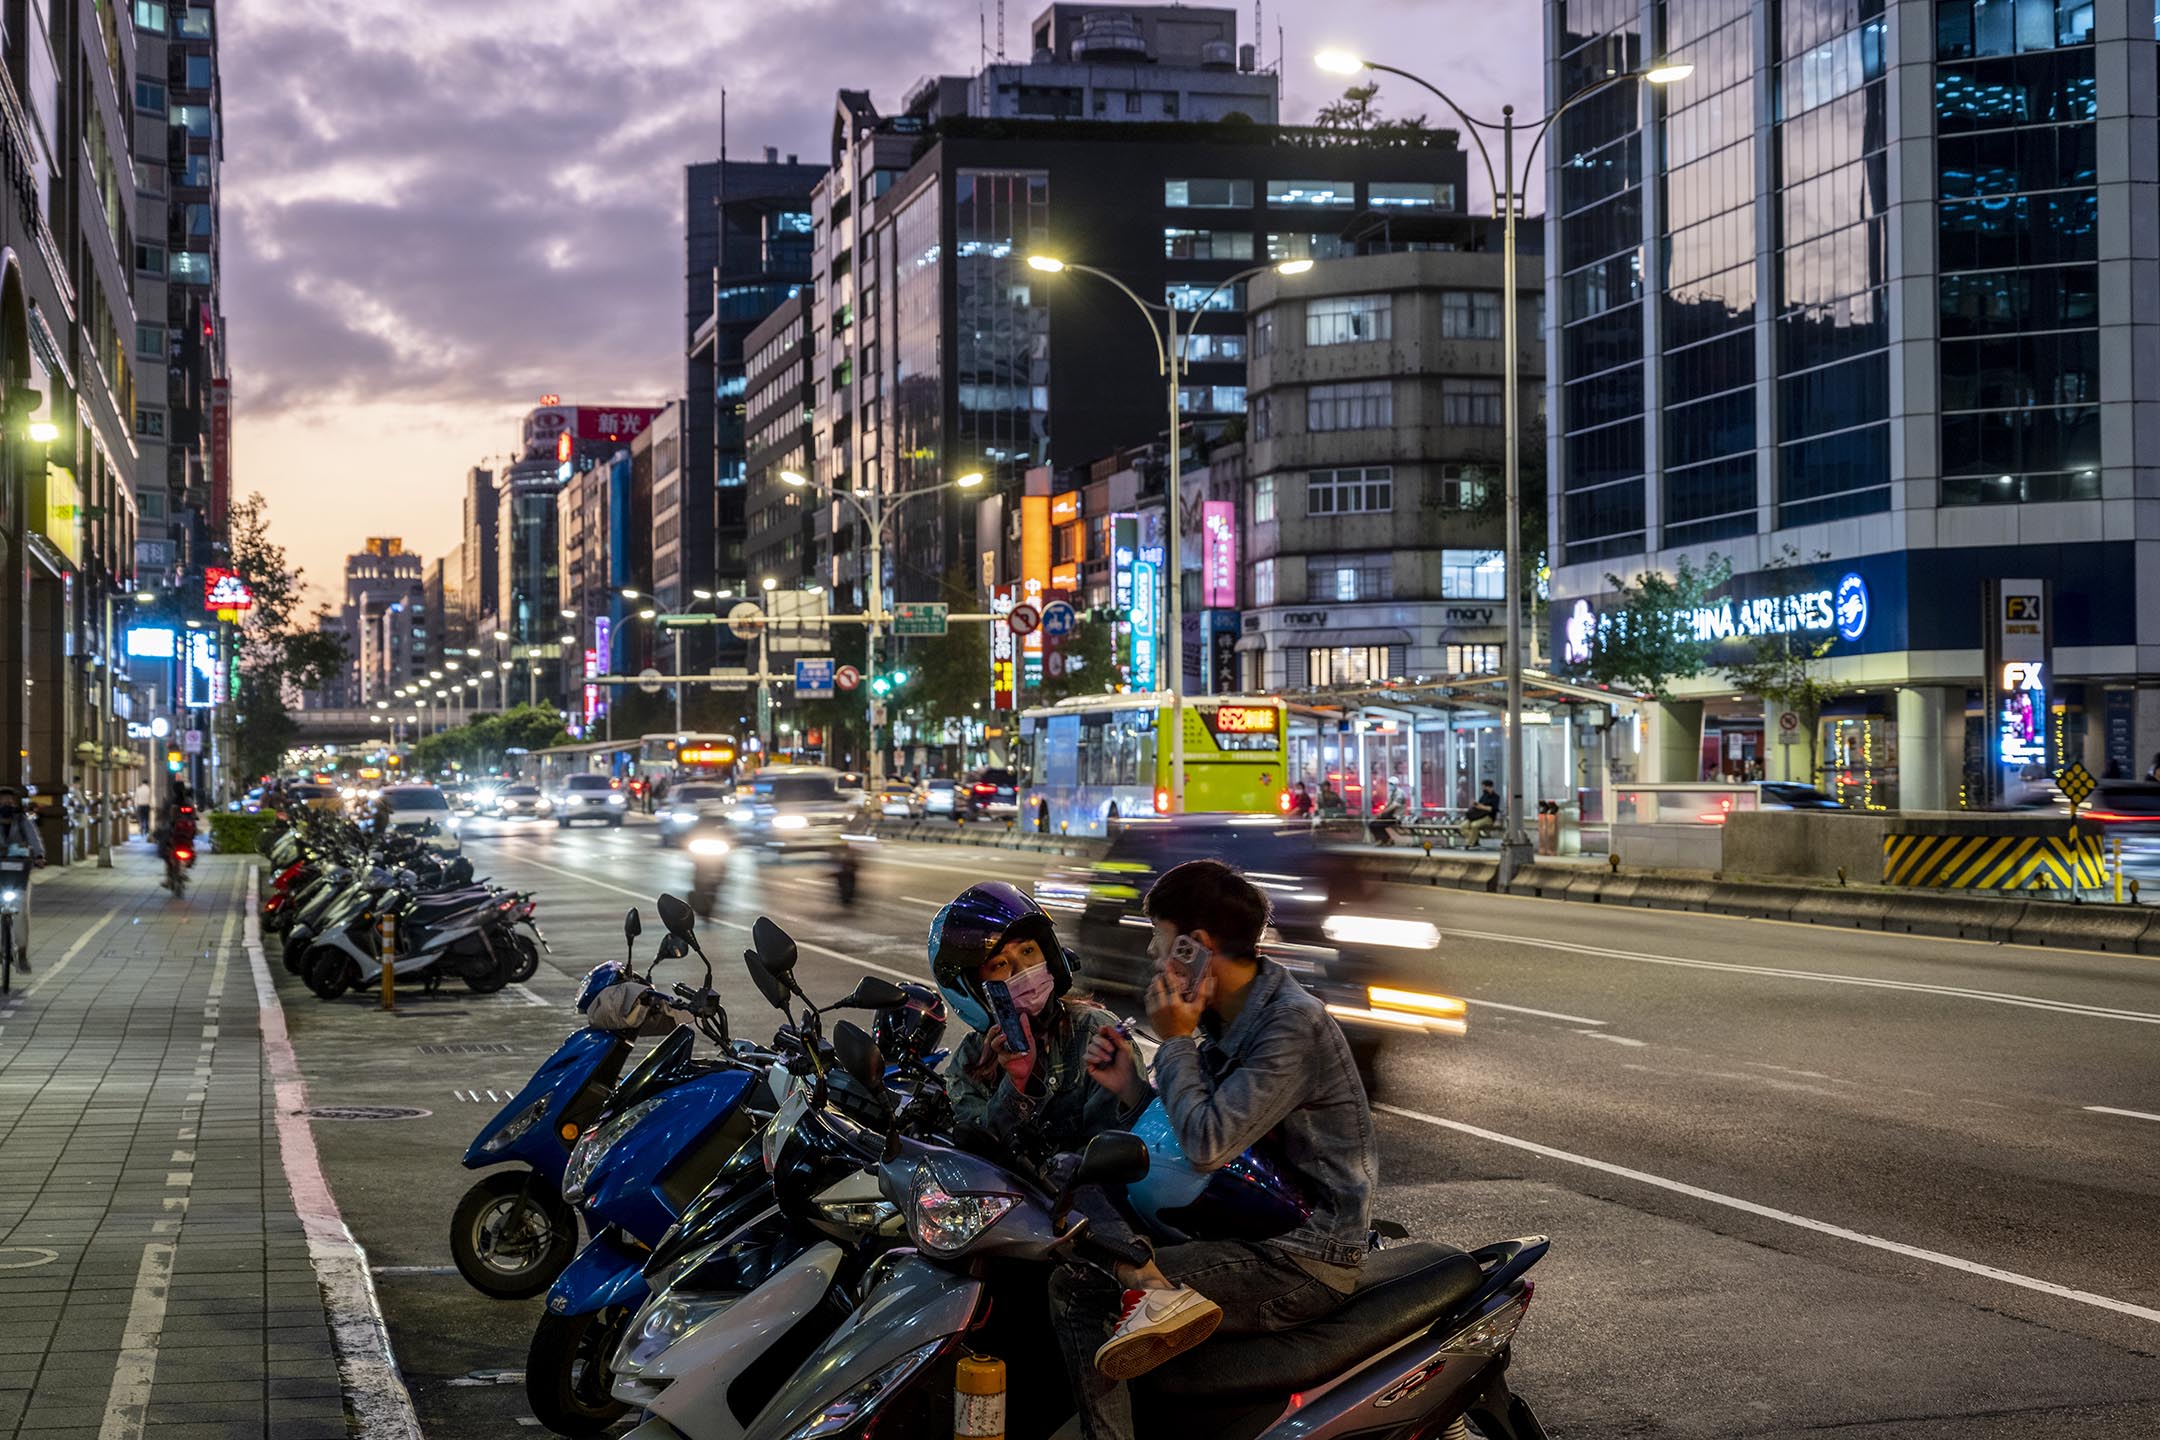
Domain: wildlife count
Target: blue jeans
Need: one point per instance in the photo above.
(1259, 1287)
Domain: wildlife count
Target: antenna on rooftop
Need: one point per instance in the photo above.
(1001, 32)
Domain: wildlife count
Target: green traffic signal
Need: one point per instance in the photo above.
(900, 677)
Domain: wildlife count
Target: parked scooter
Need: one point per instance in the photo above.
(465, 934)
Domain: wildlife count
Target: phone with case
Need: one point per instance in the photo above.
(1007, 1015)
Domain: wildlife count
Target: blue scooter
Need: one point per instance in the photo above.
(674, 1127)
(513, 1233)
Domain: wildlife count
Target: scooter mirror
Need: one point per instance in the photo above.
(768, 984)
(632, 925)
(874, 992)
(1115, 1157)
(775, 947)
(858, 1055)
(677, 916)
(673, 948)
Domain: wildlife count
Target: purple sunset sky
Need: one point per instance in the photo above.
(435, 213)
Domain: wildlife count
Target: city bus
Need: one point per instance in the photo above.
(1090, 762)
(709, 757)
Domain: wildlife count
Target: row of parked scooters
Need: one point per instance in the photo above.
(345, 901)
(792, 1240)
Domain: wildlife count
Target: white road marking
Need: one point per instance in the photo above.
(1784, 1217)
(2133, 1114)
(374, 1390)
(1615, 1039)
(530, 996)
(128, 1401)
(67, 958)
(918, 900)
(1541, 1014)
(1992, 997)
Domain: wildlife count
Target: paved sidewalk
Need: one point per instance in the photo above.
(153, 1272)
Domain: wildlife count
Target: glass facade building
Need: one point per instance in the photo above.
(1900, 273)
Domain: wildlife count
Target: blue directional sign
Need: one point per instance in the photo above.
(814, 679)
(1057, 619)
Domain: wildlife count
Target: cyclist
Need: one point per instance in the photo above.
(18, 837)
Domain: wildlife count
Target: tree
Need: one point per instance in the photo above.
(1356, 114)
(279, 653)
(1783, 669)
(1649, 640)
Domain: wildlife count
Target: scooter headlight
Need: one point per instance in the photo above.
(847, 1411)
(709, 845)
(946, 1223)
(521, 1122)
(664, 1322)
(592, 1149)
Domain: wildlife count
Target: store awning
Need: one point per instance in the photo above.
(1331, 638)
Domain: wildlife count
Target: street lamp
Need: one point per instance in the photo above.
(876, 510)
(1170, 361)
(1506, 192)
(769, 583)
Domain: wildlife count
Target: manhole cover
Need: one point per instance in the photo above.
(365, 1112)
(468, 1047)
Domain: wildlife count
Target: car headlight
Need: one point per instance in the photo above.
(665, 1321)
(682, 817)
(709, 845)
(452, 824)
(593, 1148)
(944, 1222)
(523, 1121)
(741, 815)
(847, 1411)
(615, 797)
(1374, 930)
(790, 822)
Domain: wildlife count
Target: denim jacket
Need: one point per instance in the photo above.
(1282, 1067)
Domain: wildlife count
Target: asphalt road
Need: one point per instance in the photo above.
(1798, 1180)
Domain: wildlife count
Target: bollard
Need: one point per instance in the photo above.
(979, 1398)
(1613, 860)
(2118, 868)
(386, 948)
(2133, 890)
(1841, 875)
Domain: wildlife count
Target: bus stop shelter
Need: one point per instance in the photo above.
(1438, 740)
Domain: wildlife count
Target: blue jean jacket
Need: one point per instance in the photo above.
(1281, 1068)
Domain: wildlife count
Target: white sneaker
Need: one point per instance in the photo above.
(1157, 1325)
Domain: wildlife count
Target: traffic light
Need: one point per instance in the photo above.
(885, 684)
(899, 678)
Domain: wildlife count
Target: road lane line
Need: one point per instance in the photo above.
(1992, 997)
(68, 958)
(374, 1390)
(1615, 1039)
(1541, 1014)
(918, 900)
(1783, 1217)
(2133, 1114)
(127, 1403)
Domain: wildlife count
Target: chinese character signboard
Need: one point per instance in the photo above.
(225, 590)
(220, 446)
(1218, 555)
(1004, 648)
(201, 680)
(814, 678)
(1145, 623)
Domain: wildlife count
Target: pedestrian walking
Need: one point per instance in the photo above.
(142, 809)
(18, 842)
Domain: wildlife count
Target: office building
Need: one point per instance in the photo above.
(1857, 306)
(383, 622)
(748, 249)
(604, 522)
(777, 525)
(479, 555)
(1130, 64)
(940, 352)
(1373, 537)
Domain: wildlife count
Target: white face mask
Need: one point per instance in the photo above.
(1032, 989)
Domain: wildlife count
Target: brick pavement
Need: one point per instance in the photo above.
(154, 1277)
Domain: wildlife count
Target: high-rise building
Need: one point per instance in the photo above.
(779, 406)
(748, 249)
(939, 352)
(480, 558)
(1856, 307)
(383, 623)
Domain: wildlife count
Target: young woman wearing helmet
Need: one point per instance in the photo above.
(995, 932)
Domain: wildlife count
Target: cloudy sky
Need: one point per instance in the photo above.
(435, 213)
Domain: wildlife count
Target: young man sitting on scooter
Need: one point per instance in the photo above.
(1247, 1054)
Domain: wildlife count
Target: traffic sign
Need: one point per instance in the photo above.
(1788, 728)
(2076, 783)
(877, 712)
(1023, 619)
(745, 620)
(648, 680)
(1057, 619)
(847, 677)
(191, 742)
(919, 617)
(814, 678)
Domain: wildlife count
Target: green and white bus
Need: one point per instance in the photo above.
(1096, 760)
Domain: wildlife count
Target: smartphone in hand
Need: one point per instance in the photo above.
(1007, 1016)
(1188, 962)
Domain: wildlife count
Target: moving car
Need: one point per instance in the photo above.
(942, 796)
(854, 788)
(515, 801)
(994, 792)
(689, 803)
(1793, 795)
(792, 810)
(1372, 961)
(312, 795)
(590, 797)
(421, 810)
(900, 800)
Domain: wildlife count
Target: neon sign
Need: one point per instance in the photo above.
(225, 590)
(1218, 551)
(1144, 625)
(2022, 723)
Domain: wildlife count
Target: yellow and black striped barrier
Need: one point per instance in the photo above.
(1994, 862)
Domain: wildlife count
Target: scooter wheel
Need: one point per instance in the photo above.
(528, 959)
(296, 951)
(567, 1379)
(513, 1233)
(329, 971)
(487, 974)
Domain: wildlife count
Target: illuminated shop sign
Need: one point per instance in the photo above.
(2022, 720)
(1841, 610)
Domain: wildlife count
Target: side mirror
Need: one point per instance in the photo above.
(632, 926)
(858, 1055)
(677, 916)
(775, 947)
(1115, 1157)
(673, 948)
(768, 984)
(874, 992)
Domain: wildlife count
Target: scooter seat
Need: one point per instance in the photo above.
(1402, 1290)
